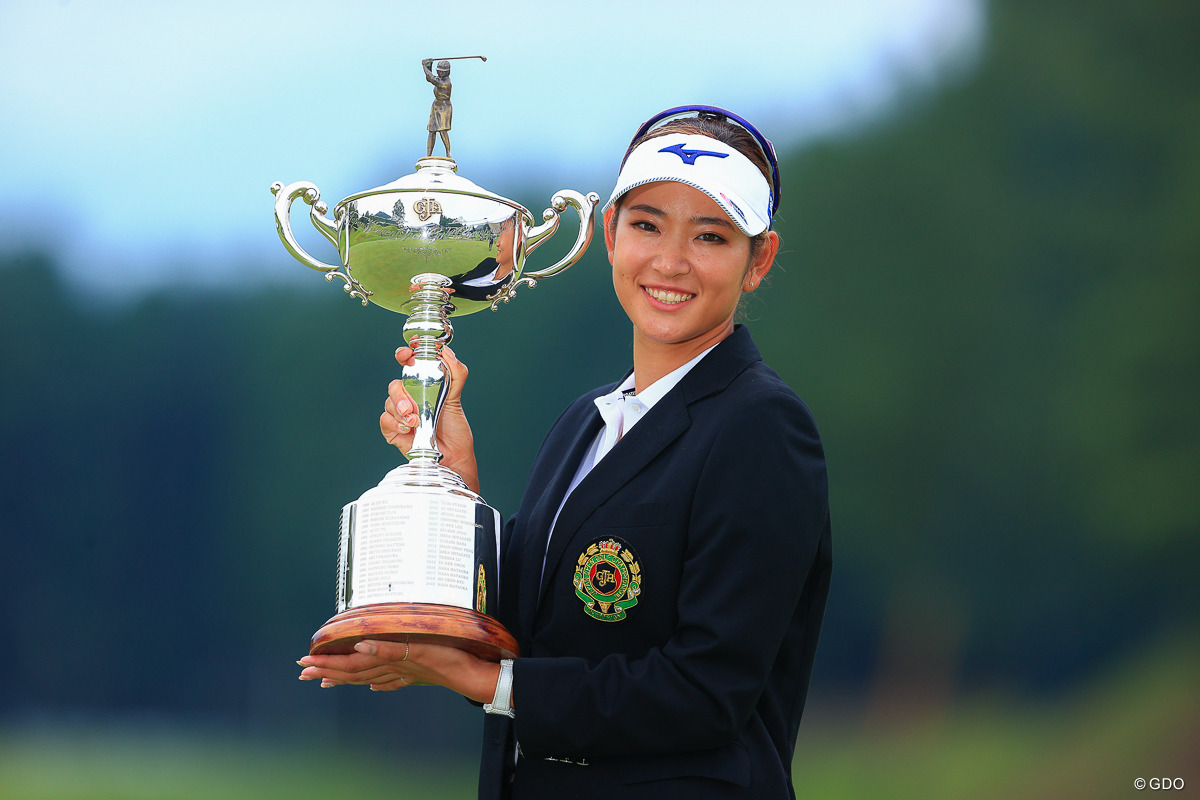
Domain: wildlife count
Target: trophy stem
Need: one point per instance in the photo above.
(427, 380)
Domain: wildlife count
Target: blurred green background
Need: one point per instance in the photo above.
(988, 299)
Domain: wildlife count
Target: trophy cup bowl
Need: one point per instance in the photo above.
(418, 554)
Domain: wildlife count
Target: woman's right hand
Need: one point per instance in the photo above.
(454, 438)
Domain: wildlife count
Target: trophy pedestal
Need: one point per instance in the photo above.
(468, 630)
(418, 558)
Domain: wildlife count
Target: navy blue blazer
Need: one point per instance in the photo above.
(668, 642)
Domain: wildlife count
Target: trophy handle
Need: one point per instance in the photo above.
(585, 206)
(284, 197)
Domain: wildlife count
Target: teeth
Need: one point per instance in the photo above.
(668, 297)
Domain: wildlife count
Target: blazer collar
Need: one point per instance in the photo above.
(718, 369)
(663, 424)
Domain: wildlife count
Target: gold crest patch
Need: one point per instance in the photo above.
(608, 579)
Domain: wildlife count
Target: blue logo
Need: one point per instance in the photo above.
(690, 156)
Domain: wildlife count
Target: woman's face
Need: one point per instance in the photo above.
(504, 248)
(680, 264)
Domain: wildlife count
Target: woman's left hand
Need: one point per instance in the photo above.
(387, 666)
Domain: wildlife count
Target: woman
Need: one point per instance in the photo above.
(666, 573)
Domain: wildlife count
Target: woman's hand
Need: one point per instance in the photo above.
(387, 666)
(454, 438)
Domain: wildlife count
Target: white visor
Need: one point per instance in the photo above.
(713, 167)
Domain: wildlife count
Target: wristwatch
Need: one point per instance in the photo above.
(502, 700)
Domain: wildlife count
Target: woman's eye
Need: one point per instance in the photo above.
(714, 238)
(643, 225)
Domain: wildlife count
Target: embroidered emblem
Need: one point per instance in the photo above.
(481, 592)
(690, 156)
(426, 207)
(608, 579)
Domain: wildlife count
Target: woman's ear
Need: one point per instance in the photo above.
(761, 264)
(609, 232)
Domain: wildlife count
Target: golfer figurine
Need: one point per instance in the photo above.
(441, 112)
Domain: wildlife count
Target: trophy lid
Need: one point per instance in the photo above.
(459, 198)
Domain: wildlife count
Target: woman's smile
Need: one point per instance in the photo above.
(667, 296)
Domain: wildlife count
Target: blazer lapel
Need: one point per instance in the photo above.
(662, 425)
(665, 422)
(541, 516)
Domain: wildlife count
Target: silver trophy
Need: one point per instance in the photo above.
(418, 554)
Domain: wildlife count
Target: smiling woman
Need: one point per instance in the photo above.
(679, 269)
(686, 253)
(666, 573)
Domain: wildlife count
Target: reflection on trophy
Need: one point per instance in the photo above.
(418, 554)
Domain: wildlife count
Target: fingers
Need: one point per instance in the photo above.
(349, 664)
(379, 674)
(376, 664)
(387, 666)
(399, 417)
(394, 652)
(400, 406)
(382, 683)
(406, 357)
(458, 370)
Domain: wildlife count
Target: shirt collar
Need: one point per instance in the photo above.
(649, 396)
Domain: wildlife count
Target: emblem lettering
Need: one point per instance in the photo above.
(603, 579)
(426, 207)
(608, 579)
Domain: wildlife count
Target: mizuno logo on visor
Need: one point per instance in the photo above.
(690, 156)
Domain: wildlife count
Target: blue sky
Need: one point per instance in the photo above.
(138, 139)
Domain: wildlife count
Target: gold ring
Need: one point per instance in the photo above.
(405, 652)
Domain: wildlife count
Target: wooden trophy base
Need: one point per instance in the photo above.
(468, 630)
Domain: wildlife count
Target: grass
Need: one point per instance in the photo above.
(1142, 720)
(92, 764)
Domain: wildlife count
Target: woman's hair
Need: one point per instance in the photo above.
(716, 127)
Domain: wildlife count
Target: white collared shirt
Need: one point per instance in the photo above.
(620, 412)
(621, 409)
(483, 280)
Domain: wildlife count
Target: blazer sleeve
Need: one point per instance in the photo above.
(744, 608)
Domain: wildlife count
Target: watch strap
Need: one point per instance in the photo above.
(502, 700)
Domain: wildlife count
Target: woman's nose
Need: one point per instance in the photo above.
(672, 259)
